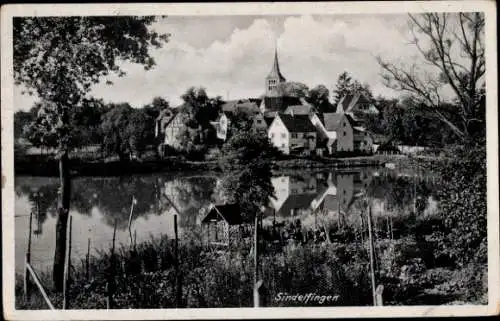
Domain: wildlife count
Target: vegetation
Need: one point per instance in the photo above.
(60, 59)
(453, 44)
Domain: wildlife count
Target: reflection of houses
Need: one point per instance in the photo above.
(294, 195)
(293, 134)
(224, 224)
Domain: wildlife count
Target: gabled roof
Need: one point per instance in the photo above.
(332, 121)
(297, 123)
(350, 100)
(296, 201)
(275, 70)
(299, 110)
(229, 212)
(166, 113)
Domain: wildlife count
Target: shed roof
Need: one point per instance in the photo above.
(297, 123)
(231, 213)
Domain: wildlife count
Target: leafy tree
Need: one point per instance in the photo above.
(246, 148)
(126, 130)
(22, 119)
(60, 59)
(319, 98)
(347, 86)
(197, 113)
(156, 106)
(294, 89)
(453, 45)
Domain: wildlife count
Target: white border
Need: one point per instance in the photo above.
(9, 11)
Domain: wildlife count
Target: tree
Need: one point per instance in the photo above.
(347, 86)
(452, 44)
(319, 98)
(197, 113)
(294, 89)
(60, 59)
(126, 130)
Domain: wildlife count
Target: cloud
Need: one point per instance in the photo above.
(231, 57)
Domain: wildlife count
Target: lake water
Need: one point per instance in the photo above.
(98, 202)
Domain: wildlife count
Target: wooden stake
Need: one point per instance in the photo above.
(67, 268)
(130, 220)
(40, 286)
(87, 259)
(178, 292)
(27, 287)
(372, 259)
(256, 298)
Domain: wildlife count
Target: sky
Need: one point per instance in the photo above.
(231, 55)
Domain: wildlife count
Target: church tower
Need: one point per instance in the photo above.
(273, 97)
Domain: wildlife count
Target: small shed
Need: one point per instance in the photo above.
(222, 222)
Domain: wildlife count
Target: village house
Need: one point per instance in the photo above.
(349, 135)
(356, 103)
(293, 134)
(168, 126)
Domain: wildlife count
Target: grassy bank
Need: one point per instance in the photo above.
(409, 267)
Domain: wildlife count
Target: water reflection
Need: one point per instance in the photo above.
(97, 203)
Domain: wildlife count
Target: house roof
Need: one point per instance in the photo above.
(296, 201)
(297, 123)
(332, 121)
(352, 100)
(299, 110)
(229, 212)
(166, 113)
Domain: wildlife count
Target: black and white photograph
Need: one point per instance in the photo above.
(191, 157)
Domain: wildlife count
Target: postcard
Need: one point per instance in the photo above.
(249, 160)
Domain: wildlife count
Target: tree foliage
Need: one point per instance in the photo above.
(197, 112)
(463, 204)
(346, 85)
(293, 89)
(126, 130)
(61, 58)
(453, 45)
(319, 98)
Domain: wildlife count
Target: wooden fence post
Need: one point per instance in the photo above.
(256, 298)
(67, 268)
(27, 287)
(372, 259)
(178, 288)
(87, 259)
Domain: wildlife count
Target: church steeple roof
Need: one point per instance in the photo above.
(275, 70)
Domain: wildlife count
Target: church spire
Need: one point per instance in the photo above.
(275, 70)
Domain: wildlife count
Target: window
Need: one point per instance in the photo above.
(283, 135)
(272, 84)
(283, 146)
(272, 135)
(294, 135)
(344, 133)
(259, 121)
(343, 124)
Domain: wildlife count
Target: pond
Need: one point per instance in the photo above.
(315, 197)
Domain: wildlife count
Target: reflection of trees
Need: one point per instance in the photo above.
(400, 192)
(189, 195)
(251, 188)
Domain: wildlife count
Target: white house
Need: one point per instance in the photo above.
(293, 134)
